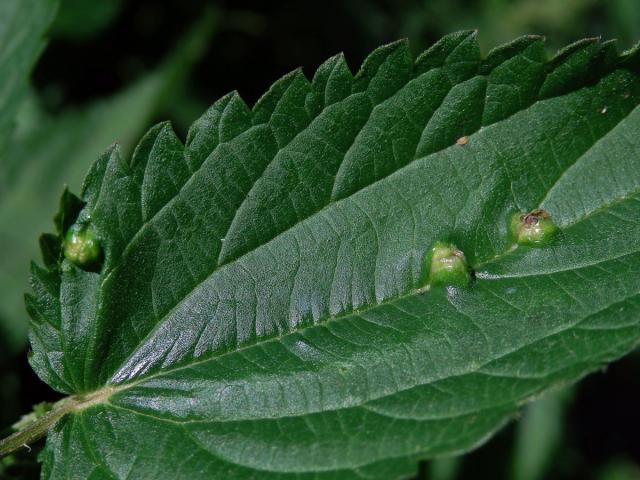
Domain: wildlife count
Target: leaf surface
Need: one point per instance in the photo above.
(262, 312)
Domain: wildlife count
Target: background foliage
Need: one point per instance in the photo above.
(118, 66)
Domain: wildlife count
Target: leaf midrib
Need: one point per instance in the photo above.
(99, 397)
(390, 300)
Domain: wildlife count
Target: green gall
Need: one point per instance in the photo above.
(82, 246)
(534, 229)
(447, 266)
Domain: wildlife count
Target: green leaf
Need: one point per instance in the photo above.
(539, 435)
(445, 468)
(79, 19)
(261, 311)
(54, 151)
(619, 469)
(23, 24)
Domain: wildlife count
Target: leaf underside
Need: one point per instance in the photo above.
(260, 311)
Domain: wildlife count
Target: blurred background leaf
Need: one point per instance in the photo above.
(444, 468)
(539, 435)
(619, 470)
(23, 24)
(79, 19)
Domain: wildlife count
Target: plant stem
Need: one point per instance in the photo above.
(39, 427)
(35, 430)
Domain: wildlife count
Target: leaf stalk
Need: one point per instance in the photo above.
(38, 428)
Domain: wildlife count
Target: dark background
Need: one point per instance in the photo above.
(99, 48)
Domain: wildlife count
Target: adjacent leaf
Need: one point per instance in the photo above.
(54, 151)
(262, 311)
(23, 24)
(78, 19)
(539, 436)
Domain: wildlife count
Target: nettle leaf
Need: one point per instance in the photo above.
(264, 306)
